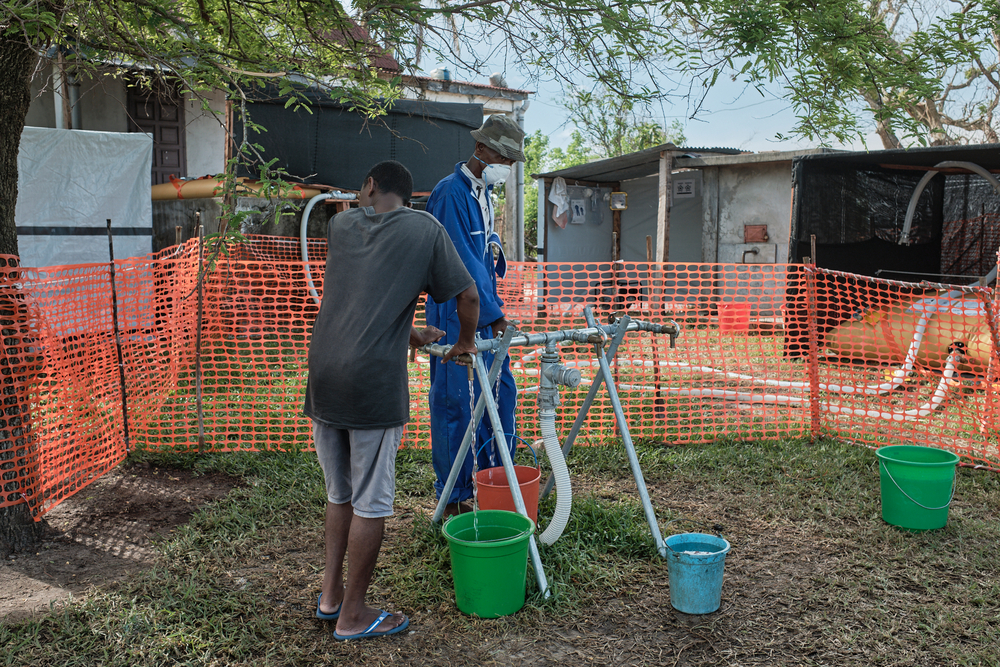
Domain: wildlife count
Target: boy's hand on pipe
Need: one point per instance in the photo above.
(421, 337)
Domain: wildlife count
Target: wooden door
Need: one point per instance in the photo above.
(161, 115)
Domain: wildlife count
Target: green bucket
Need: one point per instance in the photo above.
(489, 561)
(917, 485)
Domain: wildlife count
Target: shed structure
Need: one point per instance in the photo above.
(694, 205)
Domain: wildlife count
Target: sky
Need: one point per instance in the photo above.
(732, 117)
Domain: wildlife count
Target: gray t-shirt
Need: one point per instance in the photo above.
(377, 265)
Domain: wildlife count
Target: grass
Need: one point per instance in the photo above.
(814, 577)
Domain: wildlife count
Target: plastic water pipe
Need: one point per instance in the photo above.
(925, 410)
(304, 242)
(904, 237)
(553, 375)
(303, 239)
(564, 491)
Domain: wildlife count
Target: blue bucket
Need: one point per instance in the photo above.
(695, 563)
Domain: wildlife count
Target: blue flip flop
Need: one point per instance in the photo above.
(324, 616)
(370, 631)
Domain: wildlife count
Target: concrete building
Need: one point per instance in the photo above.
(428, 129)
(189, 133)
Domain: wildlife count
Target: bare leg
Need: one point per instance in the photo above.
(338, 527)
(364, 543)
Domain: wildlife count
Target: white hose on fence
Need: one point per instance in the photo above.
(925, 410)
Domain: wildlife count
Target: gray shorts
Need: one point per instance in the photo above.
(359, 467)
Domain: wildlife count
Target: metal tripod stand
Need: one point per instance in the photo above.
(595, 334)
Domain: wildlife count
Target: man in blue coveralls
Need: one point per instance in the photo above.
(461, 202)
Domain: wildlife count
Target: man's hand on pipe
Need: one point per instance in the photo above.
(461, 348)
(500, 326)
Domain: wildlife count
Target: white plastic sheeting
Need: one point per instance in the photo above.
(70, 182)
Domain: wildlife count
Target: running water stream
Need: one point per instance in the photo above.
(475, 457)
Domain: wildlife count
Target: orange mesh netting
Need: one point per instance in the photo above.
(764, 352)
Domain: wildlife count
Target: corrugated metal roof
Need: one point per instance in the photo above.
(626, 167)
(645, 163)
(986, 156)
(447, 83)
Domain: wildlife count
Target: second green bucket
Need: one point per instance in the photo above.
(917, 485)
(489, 561)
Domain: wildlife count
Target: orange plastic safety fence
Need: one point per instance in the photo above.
(900, 362)
(765, 351)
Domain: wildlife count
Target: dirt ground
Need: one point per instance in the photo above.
(783, 603)
(102, 534)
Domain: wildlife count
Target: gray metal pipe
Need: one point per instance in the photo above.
(594, 334)
(508, 466)
(633, 458)
(470, 430)
(581, 416)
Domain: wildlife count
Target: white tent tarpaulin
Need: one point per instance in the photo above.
(70, 182)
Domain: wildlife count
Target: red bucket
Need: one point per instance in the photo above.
(493, 490)
(734, 317)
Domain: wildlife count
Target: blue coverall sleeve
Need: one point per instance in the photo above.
(452, 212)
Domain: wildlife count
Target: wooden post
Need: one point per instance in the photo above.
(178, 235)
(616, 234)
(813, 358)
(543, 221)
(663, 209)
(659, 403)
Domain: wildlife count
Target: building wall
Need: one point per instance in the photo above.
(746, 194)
(585, 238)
(639, 219)
(41, 112)
(494, 100)
(206, 134)
(101, 103)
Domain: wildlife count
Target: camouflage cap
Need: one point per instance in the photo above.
(503, 135)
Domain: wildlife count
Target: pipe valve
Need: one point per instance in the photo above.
(562, 375)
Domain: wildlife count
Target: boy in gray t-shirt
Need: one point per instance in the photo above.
(380, 258)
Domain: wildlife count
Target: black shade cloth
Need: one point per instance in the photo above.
(329, 144)
(841, 204)
(855, 205)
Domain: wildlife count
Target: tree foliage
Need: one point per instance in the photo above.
(608, 125)
(921, 70)
(605, 125)
(242, 46)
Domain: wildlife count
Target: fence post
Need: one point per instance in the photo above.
(197, 344)
(118, 338)
(814, 414)
(988, 420)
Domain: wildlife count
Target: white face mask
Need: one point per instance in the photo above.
(495, 174)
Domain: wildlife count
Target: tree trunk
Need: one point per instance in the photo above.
(884, 130)
(17, 474)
